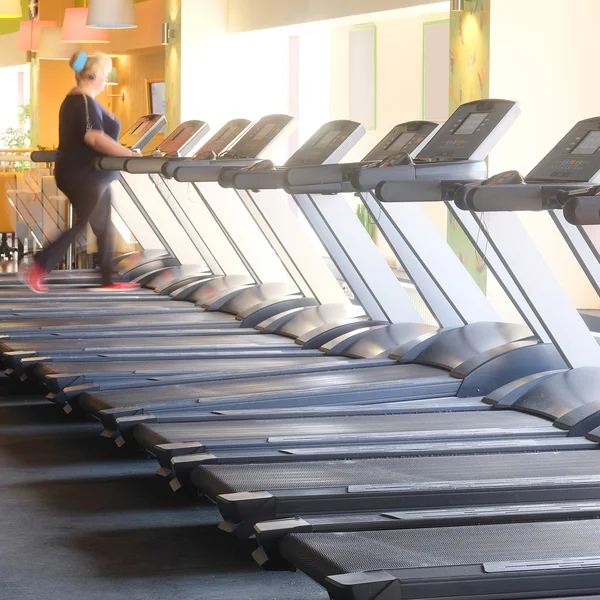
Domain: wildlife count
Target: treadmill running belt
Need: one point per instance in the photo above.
(405, 473)
(132, 321)
(500, 561)
(130, 342)
(414, 426)
(206, 366)
(409, 381)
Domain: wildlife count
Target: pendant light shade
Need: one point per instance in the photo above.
(53, 48)
(10, 9)
(30, 34)
(76, 31)
(111, 14)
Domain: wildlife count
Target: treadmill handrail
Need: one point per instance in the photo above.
(583, 210)
(210, 171)
(319, 174)
(112, 163)
(145, 165)
(260, 180)
(418, 191)
(44, 156)
(516, 197)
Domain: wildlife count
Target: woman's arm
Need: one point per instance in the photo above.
(104, 144)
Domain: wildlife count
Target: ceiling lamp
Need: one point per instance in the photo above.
(53, 48)
(30, 34)
(76, 31)
(10, 9)
(111, 14)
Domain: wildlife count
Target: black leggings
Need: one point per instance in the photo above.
(91, 203)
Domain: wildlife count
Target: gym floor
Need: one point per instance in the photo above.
(81, 519)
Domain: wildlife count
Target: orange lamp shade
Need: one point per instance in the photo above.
(30, 34)
(76, 31)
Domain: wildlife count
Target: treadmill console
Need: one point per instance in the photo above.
(575, 158)
(184, 139)
(260, 136)
(328, 145)
(226, 136)
(505, 178)
(471, 132)
(406, 138)
(261, 165)
(142, 132)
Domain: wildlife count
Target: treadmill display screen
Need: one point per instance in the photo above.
(175, 142)
(472, 122)
(399, 142)
(140, 127)
(264, 132)
(226, 134)
(326, 139)
(589, 144)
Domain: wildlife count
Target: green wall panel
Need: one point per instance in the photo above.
(469, 80)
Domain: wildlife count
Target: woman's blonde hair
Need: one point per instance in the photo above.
(94, 66)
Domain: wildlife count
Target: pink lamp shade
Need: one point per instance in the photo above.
(30, 34)
(76, 31)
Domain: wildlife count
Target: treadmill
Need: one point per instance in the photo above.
(540, 394)
(326, 290)
(143, 177)
(13, 315)
(503, 561)
(336, 145)
(147, 232)
(136, 138)
(346, 134)
(533, 557)
(421, 375)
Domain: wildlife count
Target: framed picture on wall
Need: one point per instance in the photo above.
(156, 96)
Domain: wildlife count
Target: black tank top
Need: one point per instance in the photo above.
(76, 159)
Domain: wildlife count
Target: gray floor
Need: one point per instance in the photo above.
(80, 519)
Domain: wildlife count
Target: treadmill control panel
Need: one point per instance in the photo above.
(575, 158)
(144, 129)
(406, 137)
(505, 178)
(230, 132)
(471, 131)
(329, 144)
(260, 136)
(184, 139)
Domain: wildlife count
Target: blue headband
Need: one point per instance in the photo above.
(80, 62)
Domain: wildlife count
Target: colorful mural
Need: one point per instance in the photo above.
(469, 80)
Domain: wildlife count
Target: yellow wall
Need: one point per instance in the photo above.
(133, 71)
(56, 79)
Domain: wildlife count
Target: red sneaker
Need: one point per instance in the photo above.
(119, 286)
(33, 277)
